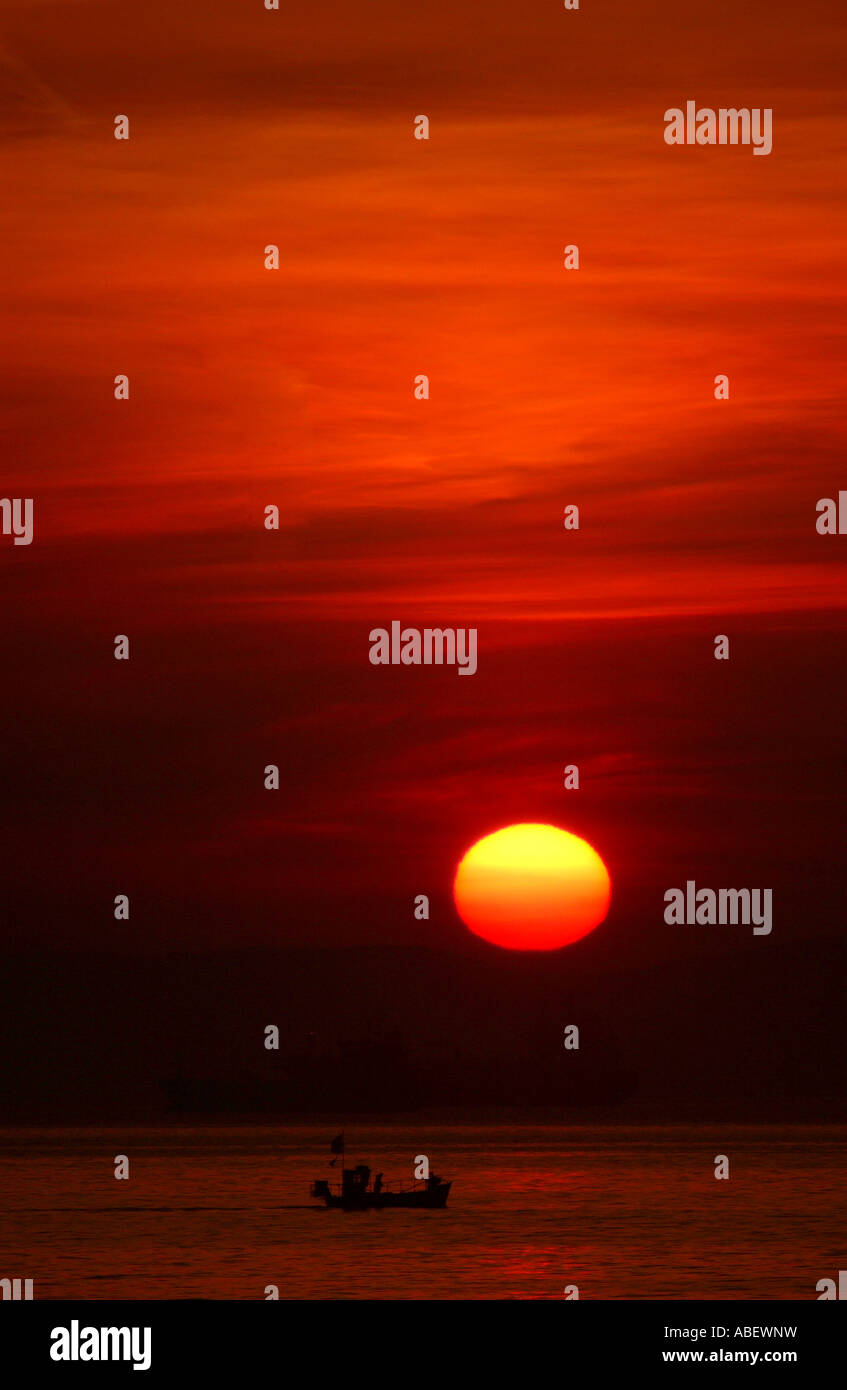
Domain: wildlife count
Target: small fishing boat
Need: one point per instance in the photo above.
(356, 1192)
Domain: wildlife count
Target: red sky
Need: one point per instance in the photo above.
(248, 387)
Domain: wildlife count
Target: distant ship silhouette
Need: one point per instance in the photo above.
(365, 1075)
(377, 1076)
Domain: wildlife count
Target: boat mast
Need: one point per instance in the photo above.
(337, 1147)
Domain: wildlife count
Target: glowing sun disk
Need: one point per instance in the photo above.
(532, 888)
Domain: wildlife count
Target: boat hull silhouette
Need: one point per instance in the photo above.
(356, 1195)
(428, 1198)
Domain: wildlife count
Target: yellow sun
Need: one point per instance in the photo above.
(532, 888)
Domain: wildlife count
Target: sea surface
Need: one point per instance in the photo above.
(623, 1213)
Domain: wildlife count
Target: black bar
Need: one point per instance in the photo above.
(203, 1340)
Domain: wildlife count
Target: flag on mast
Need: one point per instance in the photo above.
(337, 1147)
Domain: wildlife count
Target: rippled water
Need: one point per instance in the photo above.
(221, 1212)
